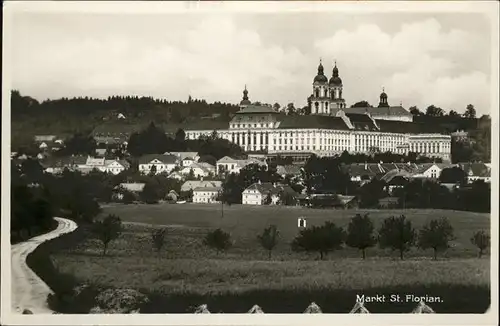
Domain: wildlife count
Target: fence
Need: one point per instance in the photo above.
(313, 308)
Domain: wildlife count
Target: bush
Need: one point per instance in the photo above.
(321, 239)
(158, 238)
(218, 240)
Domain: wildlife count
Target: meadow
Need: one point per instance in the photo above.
(186, 273)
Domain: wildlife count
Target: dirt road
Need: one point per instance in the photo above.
(28, 290)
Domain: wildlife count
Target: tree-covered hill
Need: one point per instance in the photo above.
(84, 114)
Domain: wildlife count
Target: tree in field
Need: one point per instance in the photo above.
(158, 239)
(436, 235)
(360, 233)
(481, 240)
(218, 240)
(470, 112)
(268, 200)
(151, 193)
(107, 230)
(128, 197)
(397, 233)
(269, 238)
(453, 113)
(321, 239)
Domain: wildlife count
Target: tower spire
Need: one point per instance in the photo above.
(245, 101)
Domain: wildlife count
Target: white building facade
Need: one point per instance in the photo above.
(331, 128)
(206, 195)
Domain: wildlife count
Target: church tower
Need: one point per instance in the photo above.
(335, 90)
(245, 101)
(383, 100)
(319, 98)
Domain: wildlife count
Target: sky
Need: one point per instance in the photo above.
(418, 58)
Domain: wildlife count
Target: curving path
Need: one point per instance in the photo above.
(28, 290)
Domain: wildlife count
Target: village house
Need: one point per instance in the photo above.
(57, 165)
(476, 171)
(388, 202)
(289, 170)
(101, 164)
(430, 170)
(200, 169)
(364, 171)
(207, 194)
(396, 179)
(259, 193)
(157, 162)
(175, 175)
(133, 187)
(44, 138)
(230, 165)
(190, 156)
(188, 161)
(193, 184)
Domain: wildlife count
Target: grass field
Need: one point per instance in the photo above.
(186, 273)
(188, 223)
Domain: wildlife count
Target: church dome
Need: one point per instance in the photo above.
(383, 95)
(245, 100)
(335, 81)
(320, 77)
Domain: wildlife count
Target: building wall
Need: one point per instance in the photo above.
(328, 142)
(208, 197)
(251, 197)
(160, 168)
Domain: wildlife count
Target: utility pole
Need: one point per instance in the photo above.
(221, 204)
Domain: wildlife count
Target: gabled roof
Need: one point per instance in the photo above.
(288, 169)
(312, 122)
(406, 127)
(183, 155)
(214, 189)
(396, 177)
(206, 167)
(192, 184)
(165, 159)
(476, 169)
(267, 187)
(376, 111)
(364, 169)
(361, 122)
(132, 186)
(256, 109)
(61, 162)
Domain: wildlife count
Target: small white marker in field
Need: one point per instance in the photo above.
(301, 222)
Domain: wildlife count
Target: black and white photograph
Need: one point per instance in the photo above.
(276, 158)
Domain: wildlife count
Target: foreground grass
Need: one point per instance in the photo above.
(185, 273)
